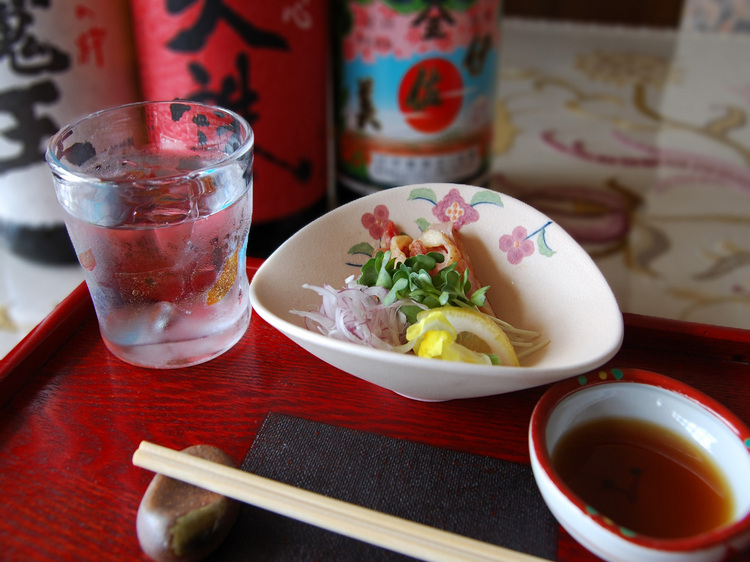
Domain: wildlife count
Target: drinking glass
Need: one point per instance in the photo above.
(158, 198)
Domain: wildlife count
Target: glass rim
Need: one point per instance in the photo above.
(59, 168)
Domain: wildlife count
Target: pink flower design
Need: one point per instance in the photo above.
(453, 208)
(414, 36)
(386, 12)
(361, 17)
(383, 44)
(516, 245)
(376, 221)
(350, 50)
(367, 55)
(446, 42)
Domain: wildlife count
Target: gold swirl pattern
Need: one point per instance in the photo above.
(659, 170)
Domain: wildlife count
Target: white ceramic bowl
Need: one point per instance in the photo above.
(658, 399)
(554, 288)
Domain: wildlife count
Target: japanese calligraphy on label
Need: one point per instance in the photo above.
(59, 60)
(266, 60)
(414, 86)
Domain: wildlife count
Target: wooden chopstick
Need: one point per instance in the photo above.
(380, 529)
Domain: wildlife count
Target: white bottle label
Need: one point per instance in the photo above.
(59, 61)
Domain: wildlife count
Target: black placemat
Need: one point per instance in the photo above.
(488, 499)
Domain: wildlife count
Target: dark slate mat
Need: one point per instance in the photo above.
(484, 498)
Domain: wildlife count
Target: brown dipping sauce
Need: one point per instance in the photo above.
(643, 477)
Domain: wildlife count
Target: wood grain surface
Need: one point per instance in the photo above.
(72, 415)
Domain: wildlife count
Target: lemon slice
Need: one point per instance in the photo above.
(469, 330)
(456, 352)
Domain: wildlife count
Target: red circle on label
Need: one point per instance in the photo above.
(430, 95)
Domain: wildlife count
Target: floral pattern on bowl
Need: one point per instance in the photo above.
(452, 207)
(557, 290)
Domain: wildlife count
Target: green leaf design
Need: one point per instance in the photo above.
(423, 224)
(362, 248)
(541, 243)
(423, 193)
(486, 196)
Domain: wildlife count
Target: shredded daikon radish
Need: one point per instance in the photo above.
(356, 313)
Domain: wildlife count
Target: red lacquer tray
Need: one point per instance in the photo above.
(71, 416)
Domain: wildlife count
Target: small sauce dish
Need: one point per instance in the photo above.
(639, 466)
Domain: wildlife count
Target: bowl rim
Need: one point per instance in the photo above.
(583, 383)
(553, 369)
(247, 144)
